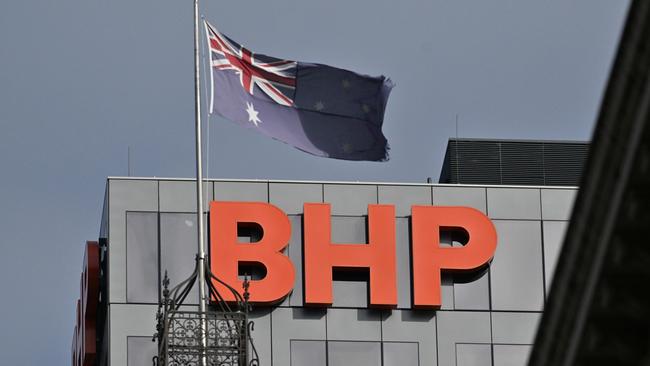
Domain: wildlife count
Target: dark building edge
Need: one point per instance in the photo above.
(597, 312)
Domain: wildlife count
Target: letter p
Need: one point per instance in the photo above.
(430, 259)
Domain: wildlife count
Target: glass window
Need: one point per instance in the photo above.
(142, 257)
(343, 353)
(178, 248)
(308, 353)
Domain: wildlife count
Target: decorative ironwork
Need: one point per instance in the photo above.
(220, 336)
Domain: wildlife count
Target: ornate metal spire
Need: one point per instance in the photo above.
(219, 336)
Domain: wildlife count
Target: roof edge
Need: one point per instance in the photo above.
(340, 182)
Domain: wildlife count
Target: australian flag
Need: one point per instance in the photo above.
(320, 109)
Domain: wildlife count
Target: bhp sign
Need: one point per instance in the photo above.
(322, 257)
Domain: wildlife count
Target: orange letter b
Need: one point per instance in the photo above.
(227, 252)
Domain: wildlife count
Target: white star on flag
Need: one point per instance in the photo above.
(252, 114)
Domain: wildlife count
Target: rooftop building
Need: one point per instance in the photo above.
(514, 162)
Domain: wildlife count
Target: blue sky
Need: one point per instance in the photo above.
(80, 81)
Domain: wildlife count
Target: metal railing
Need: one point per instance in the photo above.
(220, 336)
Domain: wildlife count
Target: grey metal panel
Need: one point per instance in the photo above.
(124, 195)
(557, 203)
(294, 323)
(350, 294)
(403, 197)
(290, 197)
(349, 230)
(401, 354)
(178, 246)
(308, 353)
(294, 251)
(446, 279)
(403, 253)
(511, 355)
(514, 203)
(353, 293)
(514, 328)
(460, 196)
(472, 292)
(349, 200)
(447, 291)
(516, 270)
(140, 195)
(408, 325)
(455, 327)
(142, 257)
(412, 326)
(141, 351)
(353, 325)
(473, 355)
(353, 353)
(128, 320)
(261, 335)
(180, 196)
(554, 232)
(103, 226)
(241, 191)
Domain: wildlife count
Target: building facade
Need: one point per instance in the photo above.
(487, 317)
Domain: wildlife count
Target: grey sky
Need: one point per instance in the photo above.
(80, 80)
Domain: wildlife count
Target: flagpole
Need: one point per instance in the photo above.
(199, 184)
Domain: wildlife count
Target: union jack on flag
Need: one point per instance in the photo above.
(320, 109)
(275, 78)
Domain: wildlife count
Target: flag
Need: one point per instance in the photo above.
(319, 109)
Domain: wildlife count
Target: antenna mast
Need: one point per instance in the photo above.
(457, 157)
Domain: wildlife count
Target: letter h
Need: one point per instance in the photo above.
(321, 256)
